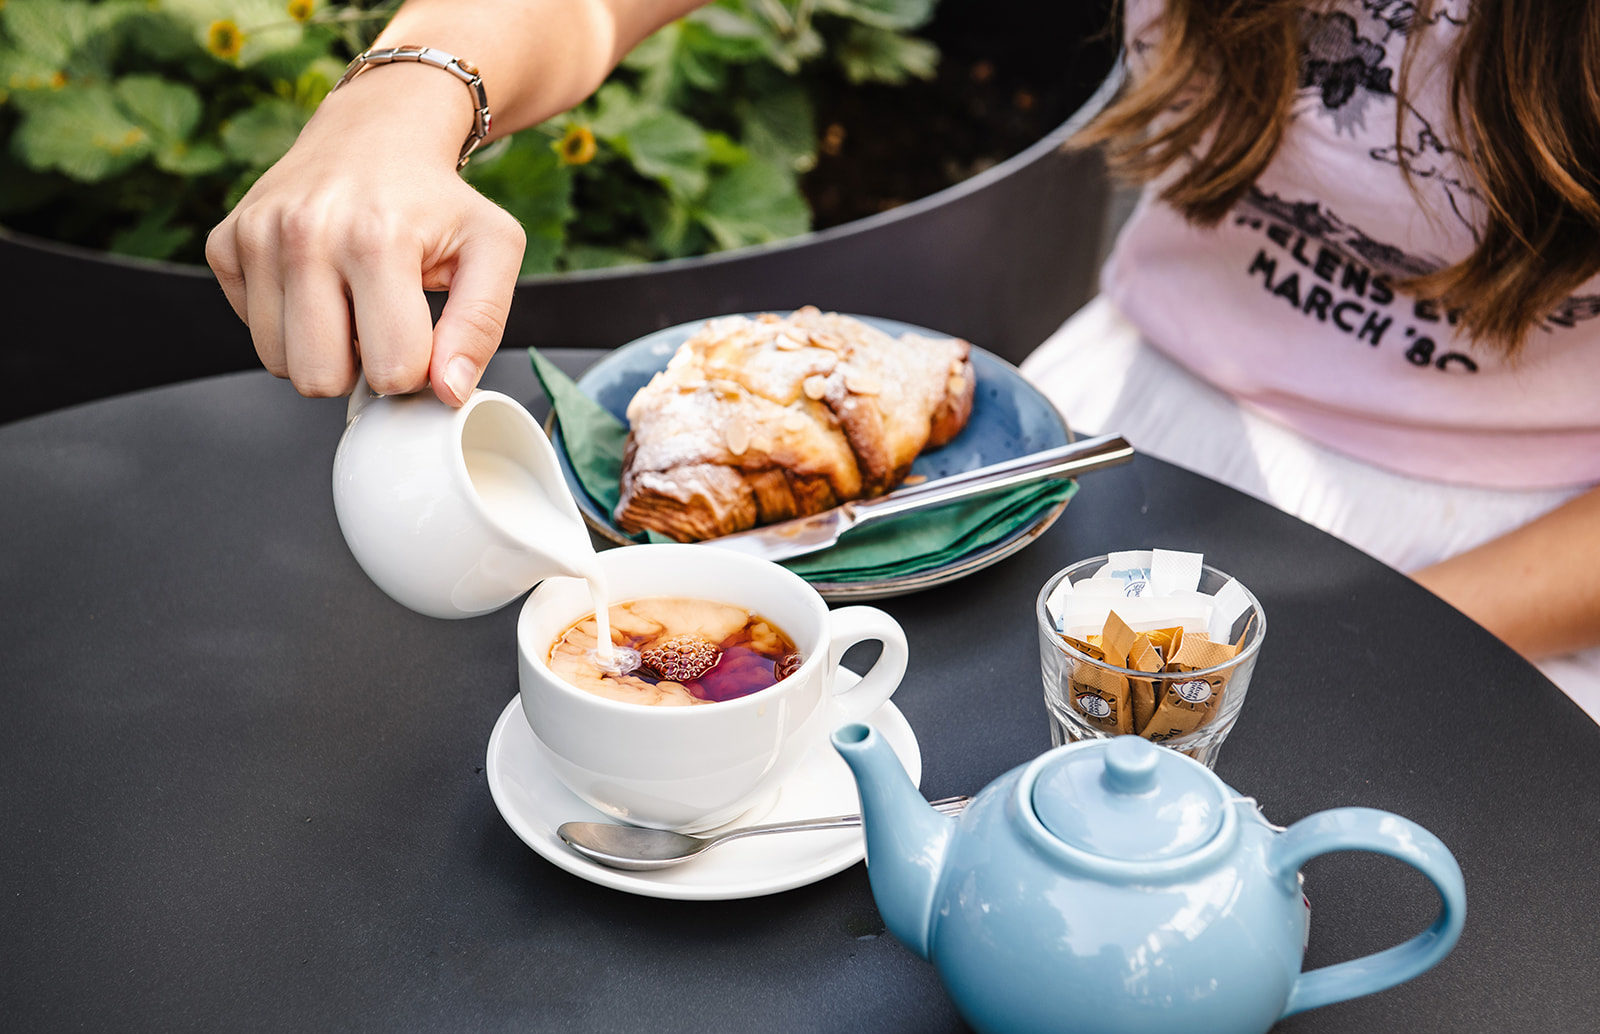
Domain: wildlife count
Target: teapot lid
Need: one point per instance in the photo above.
(1128, 799)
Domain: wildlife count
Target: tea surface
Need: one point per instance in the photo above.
(694, 651)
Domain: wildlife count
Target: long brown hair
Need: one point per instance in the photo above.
(1524, 89)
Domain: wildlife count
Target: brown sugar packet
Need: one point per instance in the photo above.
(1117, 639)
(1187, 704)
(1142, 692)
(1165, 641)
(1085, 647)
(1101, 696)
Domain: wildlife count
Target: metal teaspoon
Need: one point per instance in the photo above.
(634, 847)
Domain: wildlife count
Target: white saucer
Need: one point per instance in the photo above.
(534, 802)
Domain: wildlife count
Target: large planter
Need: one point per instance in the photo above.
(1000, 258)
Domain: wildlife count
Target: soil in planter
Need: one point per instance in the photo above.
(1009, 73)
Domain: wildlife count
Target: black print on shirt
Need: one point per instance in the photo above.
(1344, 73)
(1345, 70)
(1324, 283)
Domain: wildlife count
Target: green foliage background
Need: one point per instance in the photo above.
(133, 125)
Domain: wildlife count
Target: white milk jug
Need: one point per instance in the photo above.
(455, 512)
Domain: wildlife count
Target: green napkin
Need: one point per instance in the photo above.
(902, 545)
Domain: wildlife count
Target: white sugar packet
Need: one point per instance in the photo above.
(1087, 616)
(1173, 571)
(1131, 567)
(1227, 604)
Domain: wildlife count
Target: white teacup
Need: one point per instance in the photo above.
(693, 768)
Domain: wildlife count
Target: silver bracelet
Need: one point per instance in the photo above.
(481, 118)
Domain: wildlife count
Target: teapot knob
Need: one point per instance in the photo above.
(1131, 763)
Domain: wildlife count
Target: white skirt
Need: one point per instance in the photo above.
(1103, 376)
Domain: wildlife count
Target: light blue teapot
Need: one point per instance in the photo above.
(1117, 887)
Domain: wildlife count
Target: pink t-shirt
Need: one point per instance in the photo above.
(1289, 304)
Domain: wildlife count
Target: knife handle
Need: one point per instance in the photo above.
(1064, 461)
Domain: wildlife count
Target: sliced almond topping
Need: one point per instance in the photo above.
(737, 434)
(794, 420)
(862, 383)
(726, 388)
(815, 386)
(785, 343)
(956, 385)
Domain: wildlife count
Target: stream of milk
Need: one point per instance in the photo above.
(515, 498)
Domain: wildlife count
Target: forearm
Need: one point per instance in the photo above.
(1537, 587)
(537, 57)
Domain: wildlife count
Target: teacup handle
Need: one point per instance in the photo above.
(1366, 829)
(849, 626)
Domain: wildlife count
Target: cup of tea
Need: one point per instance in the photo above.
(737, 679)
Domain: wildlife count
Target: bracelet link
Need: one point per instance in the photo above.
(482, 121)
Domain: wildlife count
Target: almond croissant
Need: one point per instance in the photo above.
(759, 420)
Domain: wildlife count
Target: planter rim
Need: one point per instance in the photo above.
(1053, 141)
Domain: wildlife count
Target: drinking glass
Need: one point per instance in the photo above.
(1068, 672)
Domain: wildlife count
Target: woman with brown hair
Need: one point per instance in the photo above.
(1360, 283)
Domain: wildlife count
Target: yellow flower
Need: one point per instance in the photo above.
(302, 10)
(577, 146)
(224, 39)
(58, 80)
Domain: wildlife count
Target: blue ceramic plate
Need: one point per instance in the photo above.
(1010, 418)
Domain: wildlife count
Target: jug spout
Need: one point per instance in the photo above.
(906, 839)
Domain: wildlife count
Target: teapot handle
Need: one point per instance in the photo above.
(1366, 829)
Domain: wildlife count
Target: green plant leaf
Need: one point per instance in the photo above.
(696, 53)
(22, 72)
(158, 34)
(722, 149)
(788, 53)
(882, 14)
(79, 131)
(752, 204)
(170, 111)
(727, 34)
(69, 36)
(778, 125)
(660, 143)
(288, 61)
(528, 180)
(240, 187)
(190, 159)
(599, 256)
(873, 55)
(259, 135)
(153, 236)
(670, 230)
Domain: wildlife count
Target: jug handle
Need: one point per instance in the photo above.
(360, 396)
(1366, 829)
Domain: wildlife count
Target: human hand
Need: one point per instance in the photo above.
(327, 256)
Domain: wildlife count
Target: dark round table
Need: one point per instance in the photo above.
(244, 790)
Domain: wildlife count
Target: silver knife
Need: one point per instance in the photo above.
(802, 535)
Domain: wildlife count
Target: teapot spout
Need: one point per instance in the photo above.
(906, 839)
